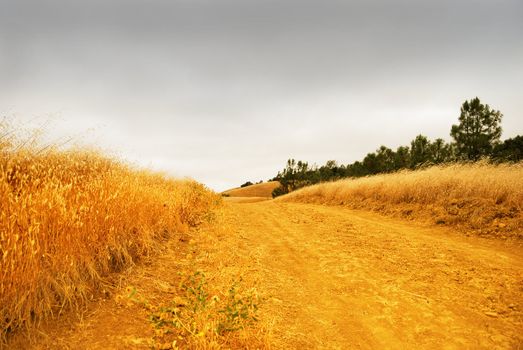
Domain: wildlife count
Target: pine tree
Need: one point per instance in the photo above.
(478, 131)
(420, 151)
(510, 150)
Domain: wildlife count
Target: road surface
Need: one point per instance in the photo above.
(334, 278)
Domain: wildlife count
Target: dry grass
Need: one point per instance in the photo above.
(245, 199)
(484, 198)
(70, 218)
(258, 190)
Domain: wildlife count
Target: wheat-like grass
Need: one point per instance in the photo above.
(485, 198)
(69, 218)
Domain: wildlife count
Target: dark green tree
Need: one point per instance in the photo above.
(478, 131)
(330, 171)
(371, 164)
(420, 151)
(441, 152)
(355, 169)
(402, 158)
(509, 150)
(295, 175)
(385, 158)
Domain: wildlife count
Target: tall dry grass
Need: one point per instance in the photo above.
(484, 198)
(70, 218)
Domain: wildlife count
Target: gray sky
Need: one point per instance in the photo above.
(226, 91)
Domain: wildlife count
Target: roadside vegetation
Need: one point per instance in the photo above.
(71, 218)
(476, 137)
(199, 319)
(481, 198)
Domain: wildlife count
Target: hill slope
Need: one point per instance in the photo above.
(258, 190)
(481, 198)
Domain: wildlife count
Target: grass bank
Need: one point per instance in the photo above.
(481, 198)
(68, 219)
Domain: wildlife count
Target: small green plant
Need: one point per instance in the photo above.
(195, 288)
(238, 311)
(197, 317)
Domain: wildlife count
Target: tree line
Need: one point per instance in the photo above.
(475, 137)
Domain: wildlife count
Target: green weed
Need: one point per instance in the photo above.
(197, 318)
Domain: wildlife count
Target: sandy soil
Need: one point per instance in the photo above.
(333, 278)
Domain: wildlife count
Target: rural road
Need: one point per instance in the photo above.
(333, 278)
(340, 279)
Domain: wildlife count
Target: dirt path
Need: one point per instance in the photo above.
(343, 279)
(336, 279)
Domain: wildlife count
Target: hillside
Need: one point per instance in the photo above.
(480, 198)
(258, 190)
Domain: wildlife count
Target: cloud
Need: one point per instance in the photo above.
(225, 91)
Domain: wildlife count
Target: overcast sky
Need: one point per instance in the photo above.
(227, 91)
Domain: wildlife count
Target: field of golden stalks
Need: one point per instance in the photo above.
(70, 218)
(481, 198)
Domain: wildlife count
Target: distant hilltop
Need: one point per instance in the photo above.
(257, 190)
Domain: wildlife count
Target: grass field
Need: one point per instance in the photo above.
(484, 198)
(258, 190)
(68, 219)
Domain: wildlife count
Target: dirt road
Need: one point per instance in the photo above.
(341, 279)
(333, 278)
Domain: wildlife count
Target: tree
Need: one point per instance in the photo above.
(248, 183)
(420, 151)
(478, 131)
(329, 171)
(371, 164)
(294, 176)
(355, 169)
(385, 158)
(441, 152)
(402, 157)
(509, 150)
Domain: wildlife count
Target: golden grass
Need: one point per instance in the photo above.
(70, 218)
(245, 199)
(258, 190)
(484, 198)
